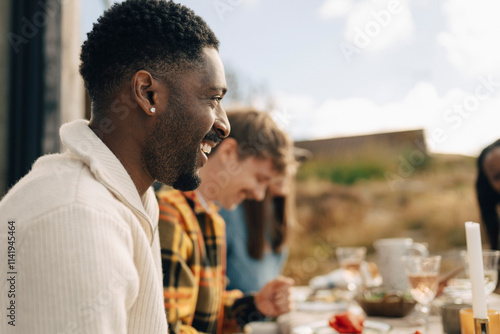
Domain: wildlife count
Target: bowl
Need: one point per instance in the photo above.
(380, 303)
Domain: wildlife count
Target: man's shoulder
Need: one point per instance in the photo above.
(177, 209)
(171, 203)
(168, 195)
(179, 199)
(55, 180)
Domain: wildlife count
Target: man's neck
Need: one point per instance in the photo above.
(203, 202)
(127, 152)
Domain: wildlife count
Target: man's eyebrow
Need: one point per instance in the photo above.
(266, 177)
(218, 89)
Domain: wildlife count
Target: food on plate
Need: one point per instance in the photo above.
(347, 322)
(380, 294)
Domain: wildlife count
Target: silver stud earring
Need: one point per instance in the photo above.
(153, 110)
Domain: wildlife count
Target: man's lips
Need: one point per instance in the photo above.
(210, 140)
(212, 137)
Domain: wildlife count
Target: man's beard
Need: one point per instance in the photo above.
(167, 161)
(186, 182)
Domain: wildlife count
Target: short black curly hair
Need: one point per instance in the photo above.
(159, 36)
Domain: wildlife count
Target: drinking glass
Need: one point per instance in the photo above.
(422, 273)
(350, 259)
(490, 267)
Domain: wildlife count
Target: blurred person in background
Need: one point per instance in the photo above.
(257, 231)
(488, 190)
(82, 225)
(192, 233)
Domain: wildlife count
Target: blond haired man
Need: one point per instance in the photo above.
(192, 233)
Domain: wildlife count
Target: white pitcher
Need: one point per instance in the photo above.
(389, 253)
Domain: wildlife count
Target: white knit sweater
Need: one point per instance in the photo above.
(86, 255)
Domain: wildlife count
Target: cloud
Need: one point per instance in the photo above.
(377, 25)
(452, 122)
(250, 4)
(471, 35)
(334, 9)
(296, 113)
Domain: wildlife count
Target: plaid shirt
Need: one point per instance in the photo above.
(194, 266)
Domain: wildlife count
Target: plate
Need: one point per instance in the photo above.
(262, 327)
(321, 306)
(322, 327)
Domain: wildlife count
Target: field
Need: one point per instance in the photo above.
(354, 202)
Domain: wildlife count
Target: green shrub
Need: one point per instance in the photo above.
(342, 173)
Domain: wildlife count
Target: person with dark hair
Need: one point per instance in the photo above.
(488, 190)
(82, 226)
(192, 233)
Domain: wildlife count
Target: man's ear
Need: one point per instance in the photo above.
(146, 91)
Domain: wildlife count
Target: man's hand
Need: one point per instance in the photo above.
(274, 298)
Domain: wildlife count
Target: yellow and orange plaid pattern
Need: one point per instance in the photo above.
(193, 258)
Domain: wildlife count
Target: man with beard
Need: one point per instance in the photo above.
(192, 233)
(82, 225)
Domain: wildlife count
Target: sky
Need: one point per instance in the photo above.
(336, 68)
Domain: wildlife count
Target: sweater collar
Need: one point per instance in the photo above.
(83, 143)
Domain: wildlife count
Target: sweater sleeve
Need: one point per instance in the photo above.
(74, 273)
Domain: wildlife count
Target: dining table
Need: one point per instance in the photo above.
(300, 317)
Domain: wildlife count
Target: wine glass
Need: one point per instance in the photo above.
(490, 267)
(350, 259)
(422, 273)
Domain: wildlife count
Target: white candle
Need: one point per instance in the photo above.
(476, 271)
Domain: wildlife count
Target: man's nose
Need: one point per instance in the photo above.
(259, 192)
(221, 124)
